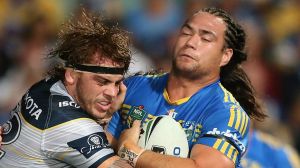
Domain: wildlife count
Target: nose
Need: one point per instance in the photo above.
(193, 41)
(111, 91)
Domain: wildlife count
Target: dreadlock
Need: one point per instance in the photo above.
(232, 76)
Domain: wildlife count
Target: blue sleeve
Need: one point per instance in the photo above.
(115, 126)
(226, 130)
(287, 157)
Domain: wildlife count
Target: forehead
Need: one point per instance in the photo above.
(206, 21)
(100, 59)
(107, 77)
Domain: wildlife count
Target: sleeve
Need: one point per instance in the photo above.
(287, 157)
(80, 143)
(226, 130)
(115, 126)
(71, 136)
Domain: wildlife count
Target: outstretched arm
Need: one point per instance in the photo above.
(201, 155)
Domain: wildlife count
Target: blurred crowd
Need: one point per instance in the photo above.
(28, 29)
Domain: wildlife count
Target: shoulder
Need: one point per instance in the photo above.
(146, 77)
(145, 81)
(63, 109)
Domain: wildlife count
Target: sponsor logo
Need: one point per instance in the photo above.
(11, 130)
(32, 107)
(189, 127)
(172, 113)
(68, 103)
(158, 149)
(230, 135)
(136, 113)
(90, 144)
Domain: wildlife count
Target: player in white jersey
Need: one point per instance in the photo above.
(54, 123)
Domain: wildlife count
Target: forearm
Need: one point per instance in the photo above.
(150, 159)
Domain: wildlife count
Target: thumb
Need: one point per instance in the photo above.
(136, 130)
(123, 88)
(136, 124)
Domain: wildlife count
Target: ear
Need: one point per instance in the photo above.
(227, 54)
(70, 76)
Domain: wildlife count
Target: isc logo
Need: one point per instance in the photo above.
(68, 103)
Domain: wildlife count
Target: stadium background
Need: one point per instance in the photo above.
(28, 29)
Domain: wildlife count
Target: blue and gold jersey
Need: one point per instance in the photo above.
(266, 152)
(211, 116)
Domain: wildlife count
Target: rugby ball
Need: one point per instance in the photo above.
(165, 136)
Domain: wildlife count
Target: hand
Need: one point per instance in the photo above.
(128, 148)
(130, 136)
(118, 101)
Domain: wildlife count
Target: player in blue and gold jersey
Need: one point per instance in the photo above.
(206, 91)
(265, 151)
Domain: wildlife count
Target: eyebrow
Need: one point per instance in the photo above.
(201, 31)
(101, 78)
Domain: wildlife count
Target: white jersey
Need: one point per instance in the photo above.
(48, 129)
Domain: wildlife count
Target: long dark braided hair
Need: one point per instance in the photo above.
(232, 76)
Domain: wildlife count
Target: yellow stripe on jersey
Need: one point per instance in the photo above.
(231, 98)
(149, 117)
(235, 153)
(62, 155)
(28, 124)
(22, 155)
(229, 153)
(126, 106)
(292, 156)
(226, 97)
(232, 116)
(232, 153)
(224, 147)
(246, 124)
(227, 149)
(238, 120)
(244, 118)
(177, 102)
(217, 144)
(68, 122)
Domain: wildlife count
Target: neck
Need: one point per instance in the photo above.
(179, 86)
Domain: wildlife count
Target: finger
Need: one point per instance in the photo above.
(136, 130)
(136, 124)
(123, 88)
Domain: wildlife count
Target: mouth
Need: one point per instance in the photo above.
(186, 56)
(103, 105)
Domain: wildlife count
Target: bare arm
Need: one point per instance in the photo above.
(201, 155)
(112, 141)
(115, 162)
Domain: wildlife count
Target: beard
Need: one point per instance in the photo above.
(192, 71)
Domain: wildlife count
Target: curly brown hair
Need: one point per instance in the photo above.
(79, 40)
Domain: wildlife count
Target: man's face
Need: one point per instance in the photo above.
(199, 48)
(96, 92)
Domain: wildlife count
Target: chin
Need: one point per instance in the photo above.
(98, 115)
